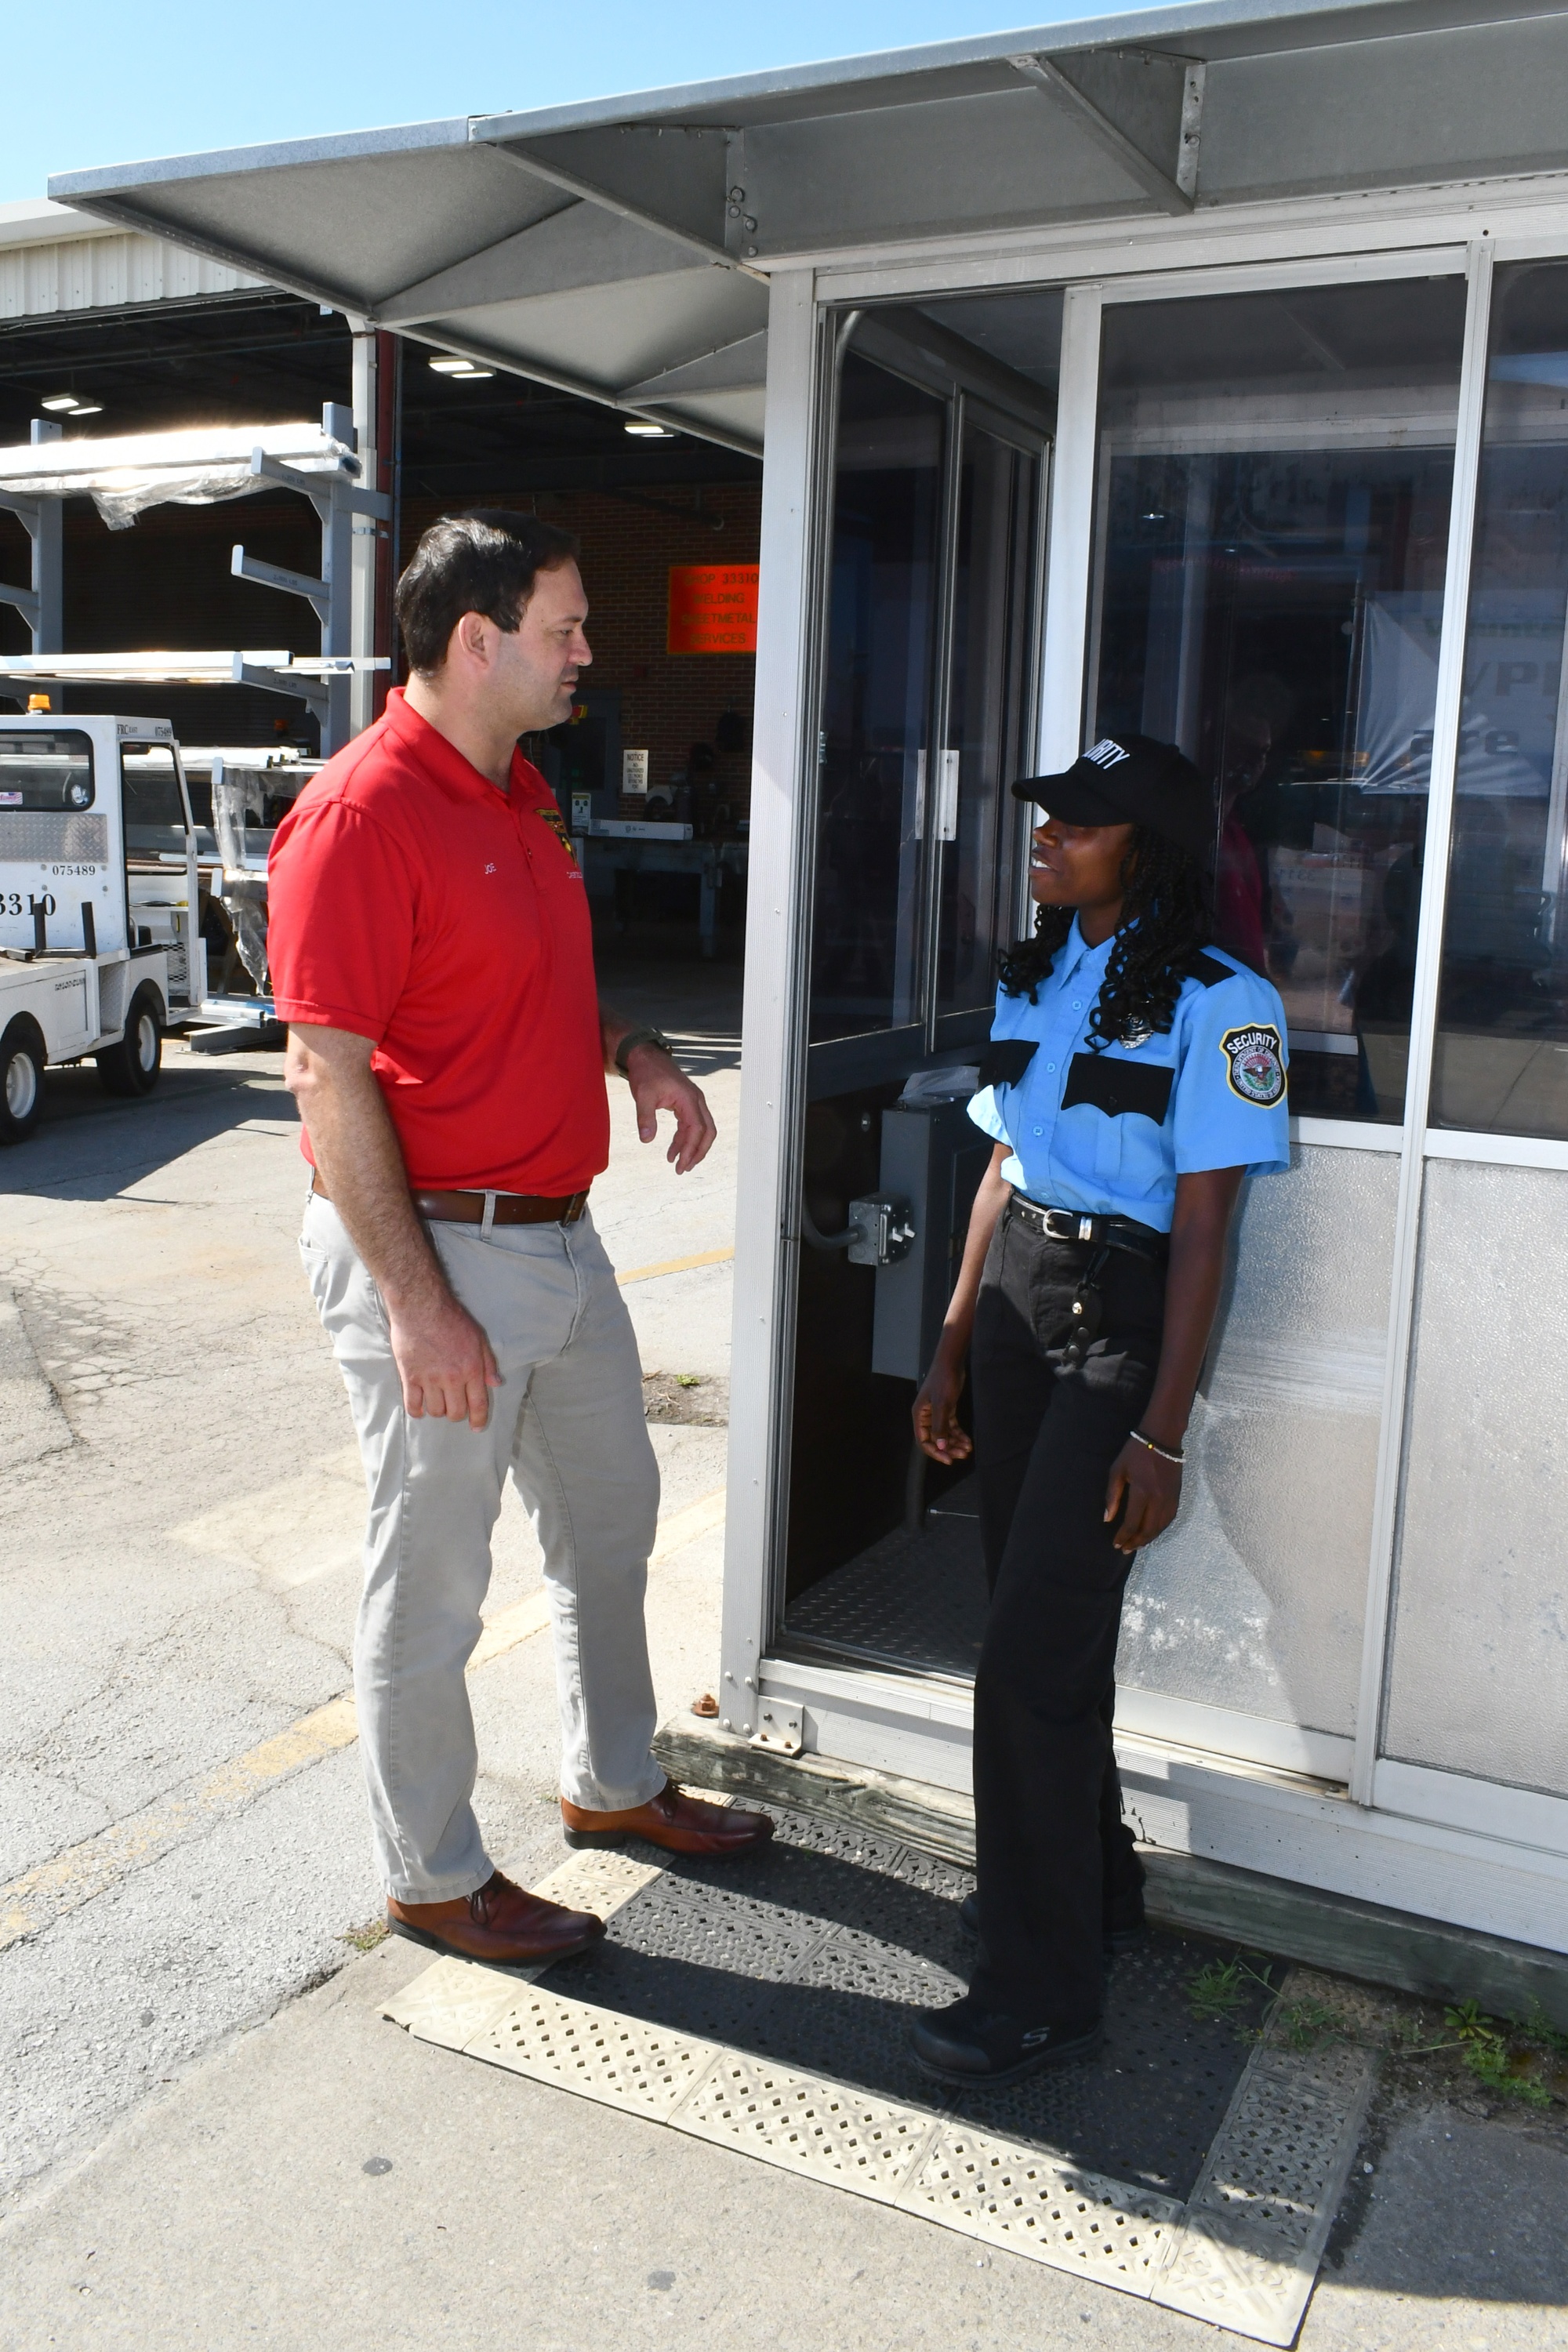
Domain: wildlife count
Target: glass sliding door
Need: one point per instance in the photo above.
(889, 487)
(988, 734)
(930, 647)
(1274, 481)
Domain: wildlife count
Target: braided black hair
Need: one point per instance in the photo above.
(1165, 923)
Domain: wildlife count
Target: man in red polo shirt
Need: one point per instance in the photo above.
(431, 951)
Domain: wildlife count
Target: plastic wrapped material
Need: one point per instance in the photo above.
(125, 476)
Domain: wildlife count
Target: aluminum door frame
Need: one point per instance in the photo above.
(792, 521)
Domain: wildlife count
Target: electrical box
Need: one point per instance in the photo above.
(934, 1157)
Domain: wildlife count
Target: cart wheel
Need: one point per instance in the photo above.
(21, 1082)
(132, 1066)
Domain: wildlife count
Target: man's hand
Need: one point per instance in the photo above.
(444, 1361)
(658, 1084)
(1153, 1490)
(443, 1358)
(938, 1431)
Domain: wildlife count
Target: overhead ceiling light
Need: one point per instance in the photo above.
(465, 368)
(66, 404)
(649, 432)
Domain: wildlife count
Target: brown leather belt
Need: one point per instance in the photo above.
(469, 1208)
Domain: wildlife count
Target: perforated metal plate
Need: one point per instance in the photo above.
(802, 1967)
(994, 2188)
(912, 1601)
(817, 1954)
(802, 2125)
(1266, 2199)
(457, 1999)
(618, 2061)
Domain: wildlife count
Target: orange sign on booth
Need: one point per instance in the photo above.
(712, 608)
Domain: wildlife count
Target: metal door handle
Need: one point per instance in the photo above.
(947, 798)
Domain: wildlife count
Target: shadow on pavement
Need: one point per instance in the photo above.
(92, 1145)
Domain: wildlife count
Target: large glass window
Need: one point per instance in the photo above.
(1272, 522)
(1501, 1061)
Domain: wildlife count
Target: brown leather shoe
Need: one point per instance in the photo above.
(680, 1824)
(500, 1923)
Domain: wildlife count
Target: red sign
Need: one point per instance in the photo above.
(712, 608)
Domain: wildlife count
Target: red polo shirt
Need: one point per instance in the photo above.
(413, 902)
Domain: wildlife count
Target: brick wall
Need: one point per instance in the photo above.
(668, 701)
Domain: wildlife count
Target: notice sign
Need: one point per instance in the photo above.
(712, 608)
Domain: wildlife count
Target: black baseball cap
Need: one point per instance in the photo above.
(1130, 779)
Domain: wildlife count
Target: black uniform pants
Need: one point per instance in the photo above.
(1052, 1856)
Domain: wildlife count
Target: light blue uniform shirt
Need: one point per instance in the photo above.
(1109, 1133)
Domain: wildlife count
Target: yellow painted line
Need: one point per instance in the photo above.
(684, 1526)
(676, 1265)
(42, 1896)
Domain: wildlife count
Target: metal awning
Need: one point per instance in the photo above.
(621, 248)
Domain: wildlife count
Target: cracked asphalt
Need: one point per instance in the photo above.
(178, 1568)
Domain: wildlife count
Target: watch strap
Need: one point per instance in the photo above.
(635, 1037)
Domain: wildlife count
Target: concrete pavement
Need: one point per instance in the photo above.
(178, 1565)
(209, 2136)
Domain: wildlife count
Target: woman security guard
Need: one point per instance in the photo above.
(1135, 1076)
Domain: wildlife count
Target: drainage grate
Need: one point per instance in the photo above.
(765, 2008)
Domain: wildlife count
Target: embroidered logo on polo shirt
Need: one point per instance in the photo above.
(1254, 1062)
(557, 823)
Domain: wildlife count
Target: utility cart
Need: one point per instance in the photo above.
(99, 904)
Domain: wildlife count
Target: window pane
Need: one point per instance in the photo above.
(992, 581)
(154, 820)
(1502, 1023)
(1275, 475)
(886, 528)
(39, 771)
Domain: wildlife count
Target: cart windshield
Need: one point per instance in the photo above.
(154, 812)
(39, 771)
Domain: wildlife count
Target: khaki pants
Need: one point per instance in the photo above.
(567, 1422)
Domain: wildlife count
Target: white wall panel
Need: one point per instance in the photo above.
(106, 273)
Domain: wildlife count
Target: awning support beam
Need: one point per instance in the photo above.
(1173, 193)
(574, 186)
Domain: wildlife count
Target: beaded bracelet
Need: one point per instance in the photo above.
(1163, 1451)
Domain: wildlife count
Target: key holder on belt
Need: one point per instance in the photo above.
(1088, 1312)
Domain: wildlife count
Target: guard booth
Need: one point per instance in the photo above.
(1185, 373)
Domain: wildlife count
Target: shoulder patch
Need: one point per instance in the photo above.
(1208, 970)
(1255, 1063)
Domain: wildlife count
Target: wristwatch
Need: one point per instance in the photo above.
(635, 1037)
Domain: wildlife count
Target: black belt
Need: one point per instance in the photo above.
(510, 1208)
(1098, 1233)
(1100, 1237)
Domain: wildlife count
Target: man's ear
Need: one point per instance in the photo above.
(471, 637)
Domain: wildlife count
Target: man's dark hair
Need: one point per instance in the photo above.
(485, 562)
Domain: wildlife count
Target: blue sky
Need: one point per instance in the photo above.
(105, 83)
